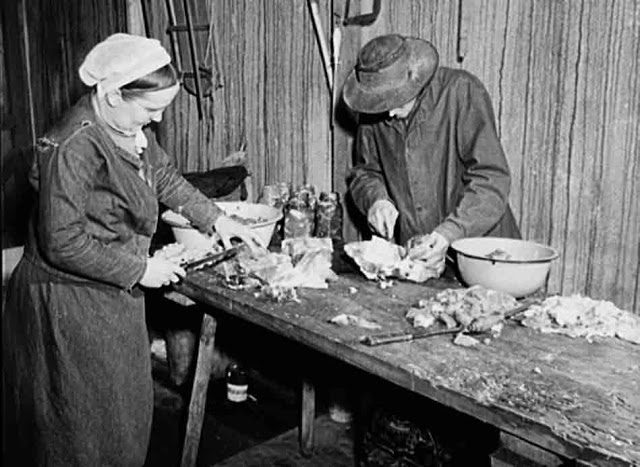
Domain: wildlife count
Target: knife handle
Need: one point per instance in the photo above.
(389, 338)
(211, 259)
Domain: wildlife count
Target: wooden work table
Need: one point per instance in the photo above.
(578, 399)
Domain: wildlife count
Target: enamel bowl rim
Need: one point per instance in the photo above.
(458, 246)
(175, 220)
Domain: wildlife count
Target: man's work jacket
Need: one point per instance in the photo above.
(443, 166)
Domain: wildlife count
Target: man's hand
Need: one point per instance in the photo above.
(382, 218)
(227, 228)
(431, 248)
(159, 272)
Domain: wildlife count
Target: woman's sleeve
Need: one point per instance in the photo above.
(178, 194)
(366, 182)
(67, 177)
(486, 174)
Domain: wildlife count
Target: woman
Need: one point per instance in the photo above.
(78, 386)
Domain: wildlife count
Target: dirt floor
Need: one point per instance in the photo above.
(260, 432)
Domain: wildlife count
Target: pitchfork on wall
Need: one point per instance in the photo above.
(201, 81)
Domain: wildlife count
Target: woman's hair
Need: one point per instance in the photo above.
(157, 80)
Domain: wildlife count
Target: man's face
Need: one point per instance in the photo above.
(403, 111)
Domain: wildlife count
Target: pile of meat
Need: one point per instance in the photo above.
(303, 262)
(578, 316)
(475, 308)
(379, 259)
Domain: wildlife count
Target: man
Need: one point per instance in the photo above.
(429, 163)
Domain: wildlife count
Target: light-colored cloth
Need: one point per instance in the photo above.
(141, 141)
(10, 258)
(120, 59)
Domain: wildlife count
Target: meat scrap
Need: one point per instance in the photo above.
(297, 247)
(264, 265)
(345, 319)
(376, 257)
(278, 294)
(421, 317)
(379, 259)
(312, 270)
(465, 340)
(498, 253)
(303, 263)
(579, 316)
(476, 308)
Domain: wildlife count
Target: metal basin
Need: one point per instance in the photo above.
(517, 267)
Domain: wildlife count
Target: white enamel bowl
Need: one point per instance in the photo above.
(261, 218)
(523, 270)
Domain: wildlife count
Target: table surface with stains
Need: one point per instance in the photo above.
(577, 398)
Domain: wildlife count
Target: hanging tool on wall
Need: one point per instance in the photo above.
(212, 51)
(364, 19)
(336, 39)
(201, 81)
(324, 49)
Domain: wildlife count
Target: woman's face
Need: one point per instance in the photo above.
(136, 112)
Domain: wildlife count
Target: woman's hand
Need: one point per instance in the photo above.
(432, 249)
(227, 228)
(160, 272)
(382, 218)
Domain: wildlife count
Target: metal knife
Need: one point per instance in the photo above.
(211, 259)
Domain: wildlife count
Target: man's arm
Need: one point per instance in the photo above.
(486, 173)
(366, 181)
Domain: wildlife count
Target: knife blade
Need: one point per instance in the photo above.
(211, 259)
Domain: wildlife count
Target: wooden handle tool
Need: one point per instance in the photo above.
(391, 337)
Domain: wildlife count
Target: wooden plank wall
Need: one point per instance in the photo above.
(57, 37)
(60, 35)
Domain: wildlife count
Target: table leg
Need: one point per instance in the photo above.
(516, 451)
(308, 415)
(199, 391)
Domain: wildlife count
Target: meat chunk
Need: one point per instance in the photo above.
(380, 259)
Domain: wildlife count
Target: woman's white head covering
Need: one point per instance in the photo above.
(120, 59)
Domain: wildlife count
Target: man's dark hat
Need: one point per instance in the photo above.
(391, 70)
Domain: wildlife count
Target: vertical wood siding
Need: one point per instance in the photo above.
(58, 35)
